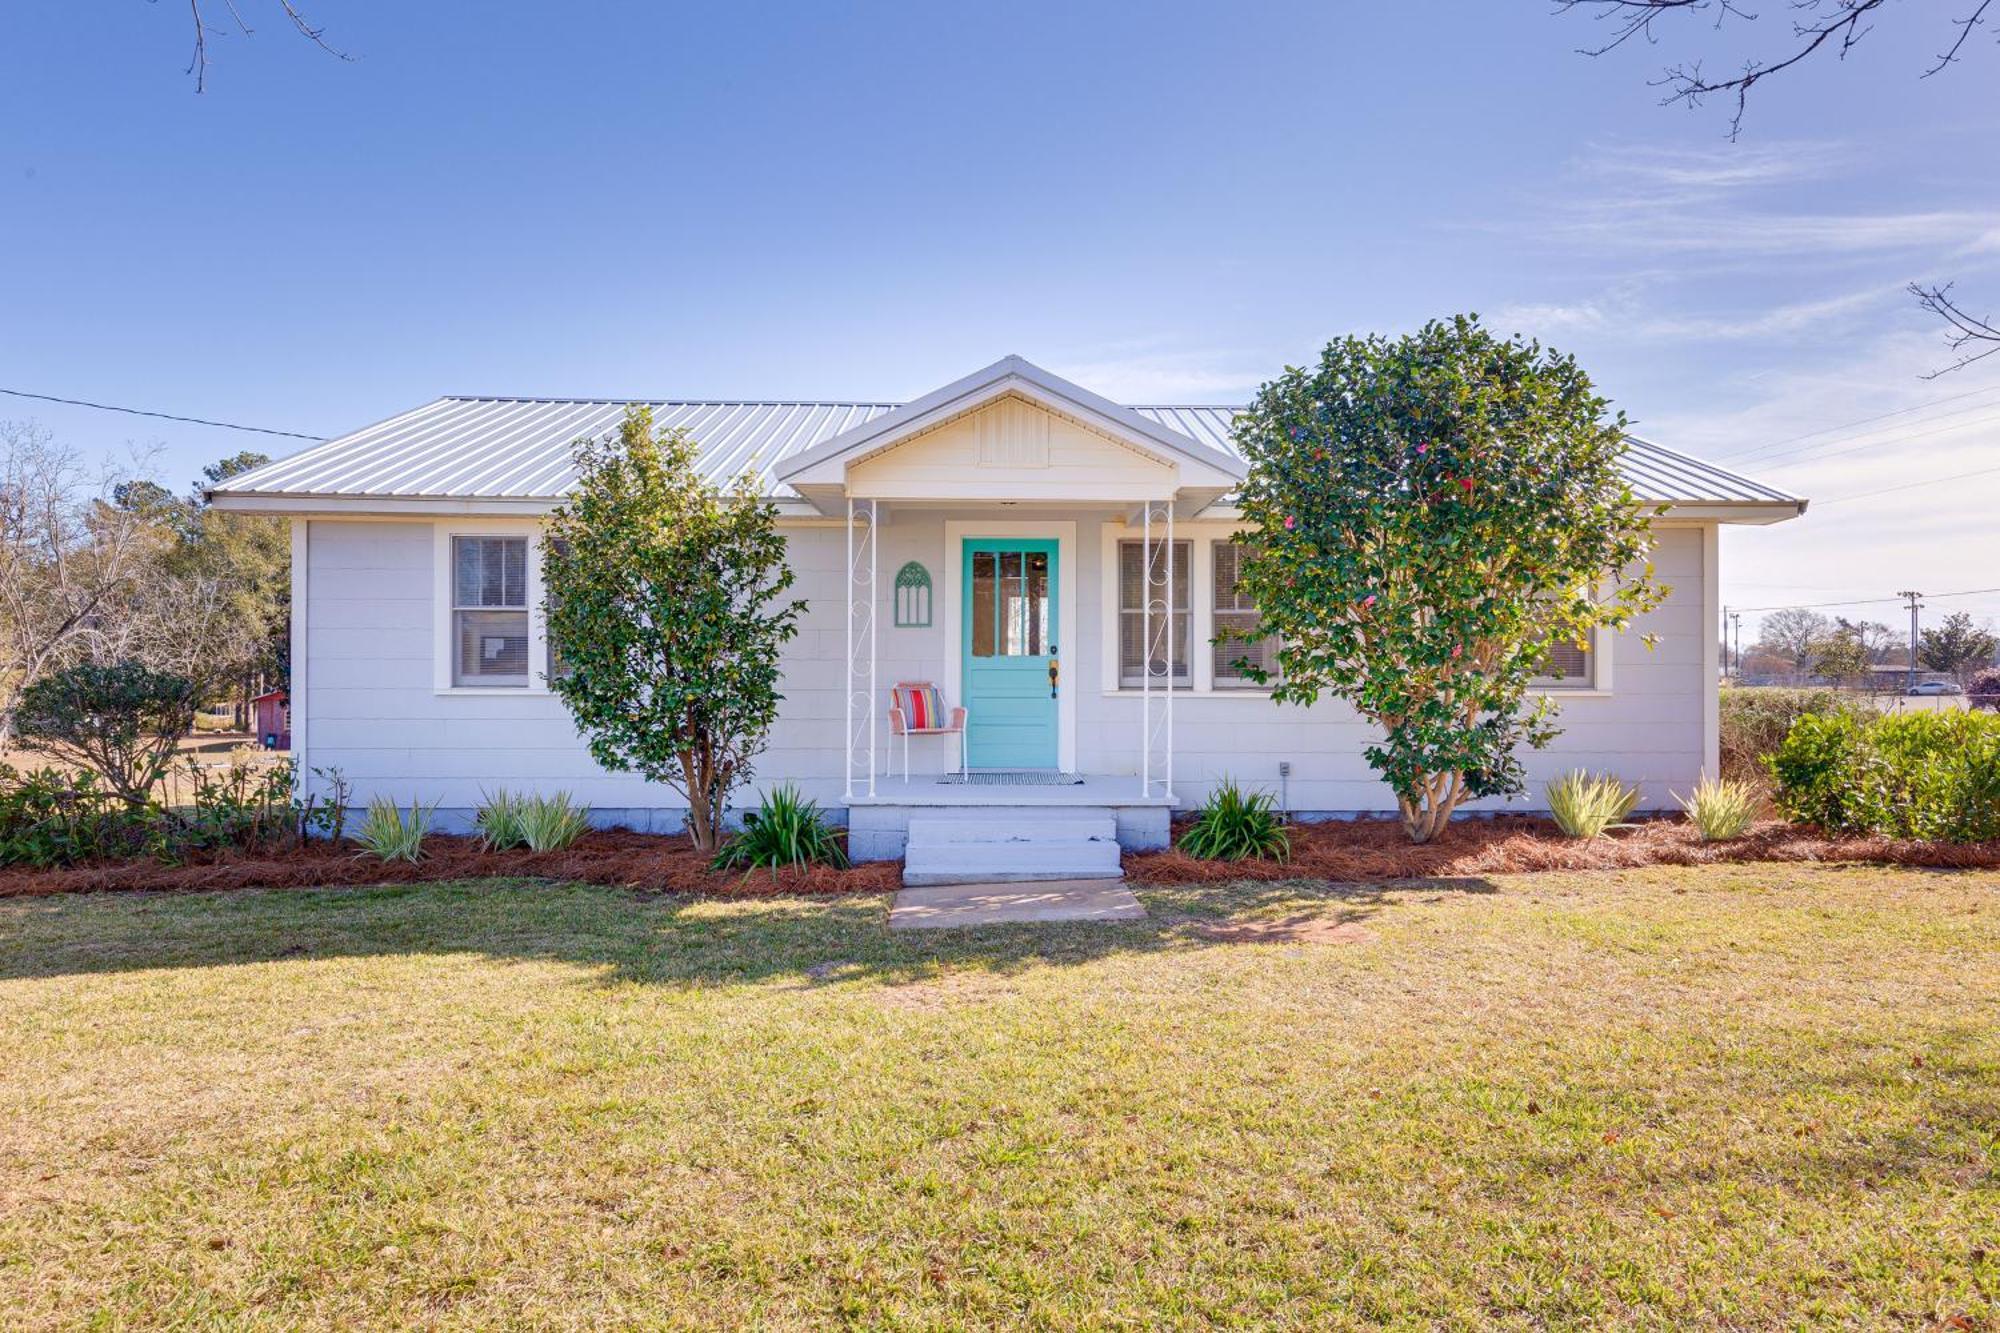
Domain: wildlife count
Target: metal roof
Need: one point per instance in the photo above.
(466, 448)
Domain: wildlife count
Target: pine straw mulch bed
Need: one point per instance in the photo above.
(1361, 850)
(617, 857)
(1346, 851)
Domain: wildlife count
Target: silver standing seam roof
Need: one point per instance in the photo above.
(466, 448)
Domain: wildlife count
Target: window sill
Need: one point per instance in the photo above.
(492, 691)
(1568, 692)
(1186, 692)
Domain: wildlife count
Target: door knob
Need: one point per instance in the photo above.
(1055, 675)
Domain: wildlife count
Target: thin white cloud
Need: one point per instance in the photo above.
(1625, 312)
(1170, 377)
(1659, 170)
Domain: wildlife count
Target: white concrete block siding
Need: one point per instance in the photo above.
(372, 706)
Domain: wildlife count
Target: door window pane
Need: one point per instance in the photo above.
(984, 602)
(1010, 604)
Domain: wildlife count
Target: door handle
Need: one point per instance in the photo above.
(1055, 675)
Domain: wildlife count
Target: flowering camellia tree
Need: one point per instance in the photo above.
(664, 597)
(1431, 513)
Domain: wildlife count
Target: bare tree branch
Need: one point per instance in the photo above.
(1963, 328)
(1965, 27)
(1837, 25)
(198, 65)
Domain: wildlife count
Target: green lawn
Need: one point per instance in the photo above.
(1745, 1097)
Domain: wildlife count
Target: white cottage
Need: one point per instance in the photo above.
(1055, 563)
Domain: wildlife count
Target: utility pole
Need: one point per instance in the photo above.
(1736, 622)
(1916, 605)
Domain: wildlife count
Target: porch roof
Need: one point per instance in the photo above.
(512, 455)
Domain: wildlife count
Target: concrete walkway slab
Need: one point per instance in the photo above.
(936, 906)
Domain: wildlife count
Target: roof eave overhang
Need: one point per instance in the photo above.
(1758, 512)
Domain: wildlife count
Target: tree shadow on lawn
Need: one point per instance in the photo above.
(666, 940)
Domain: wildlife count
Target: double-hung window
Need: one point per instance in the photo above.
(489, 611)
(1237, 623)
(1134, 583)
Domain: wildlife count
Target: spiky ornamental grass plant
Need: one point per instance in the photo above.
(666, 596)
(1430, 513)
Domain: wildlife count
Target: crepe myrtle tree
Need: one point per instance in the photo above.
(665, 597)
(1430, 513)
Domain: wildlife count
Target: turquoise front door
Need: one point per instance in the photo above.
(1011, 676)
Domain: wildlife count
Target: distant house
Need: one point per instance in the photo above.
(1057, 563)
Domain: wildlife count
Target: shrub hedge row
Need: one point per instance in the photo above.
(1929, 775)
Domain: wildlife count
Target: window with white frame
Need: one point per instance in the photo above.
(1133, 584)
(1238, 644)
(489, 611)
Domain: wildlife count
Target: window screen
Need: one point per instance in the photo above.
(1236, 624)
(1132, 584)
(489, 612)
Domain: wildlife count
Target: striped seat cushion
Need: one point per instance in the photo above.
(921, 706)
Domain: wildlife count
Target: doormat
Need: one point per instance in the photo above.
(1003, 778)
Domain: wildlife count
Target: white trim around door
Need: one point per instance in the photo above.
(1067, 644)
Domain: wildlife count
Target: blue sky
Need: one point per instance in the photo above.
(1165, 202)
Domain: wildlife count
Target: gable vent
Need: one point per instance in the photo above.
(1013, 433)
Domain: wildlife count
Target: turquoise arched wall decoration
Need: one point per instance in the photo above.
(913, 597)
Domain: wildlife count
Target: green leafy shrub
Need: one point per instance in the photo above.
(1427, 515)
(499, 821)
(1235, 825)
(1586, 805)
(54, 817)
(1933, 775)
(242, 803)
(123, 721)
(1720, 808)
(1756, 720)
(785, 830)
(388, 834)
(551, 823)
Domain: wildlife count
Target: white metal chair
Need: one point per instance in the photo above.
(917, 709)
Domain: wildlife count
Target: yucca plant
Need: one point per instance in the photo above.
(785, 830)
(1237, 825)
(551, 823)
(1719, 808)
(1587, 805)
(499, 821)
(388, 834)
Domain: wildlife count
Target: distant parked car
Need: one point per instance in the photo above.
(1935, 687)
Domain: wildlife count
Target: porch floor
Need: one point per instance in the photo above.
(927, 789)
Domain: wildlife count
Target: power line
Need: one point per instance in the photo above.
(1862, 601)
(1907, 486)
(1881, 439)
(1862, 421)
(164, 416)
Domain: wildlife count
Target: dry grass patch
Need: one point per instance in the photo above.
(1741, 1096)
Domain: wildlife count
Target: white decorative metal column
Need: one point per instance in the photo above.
(1156, 686)
(861, 696)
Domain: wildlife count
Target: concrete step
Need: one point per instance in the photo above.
(1010, 862)
(1006, 827)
